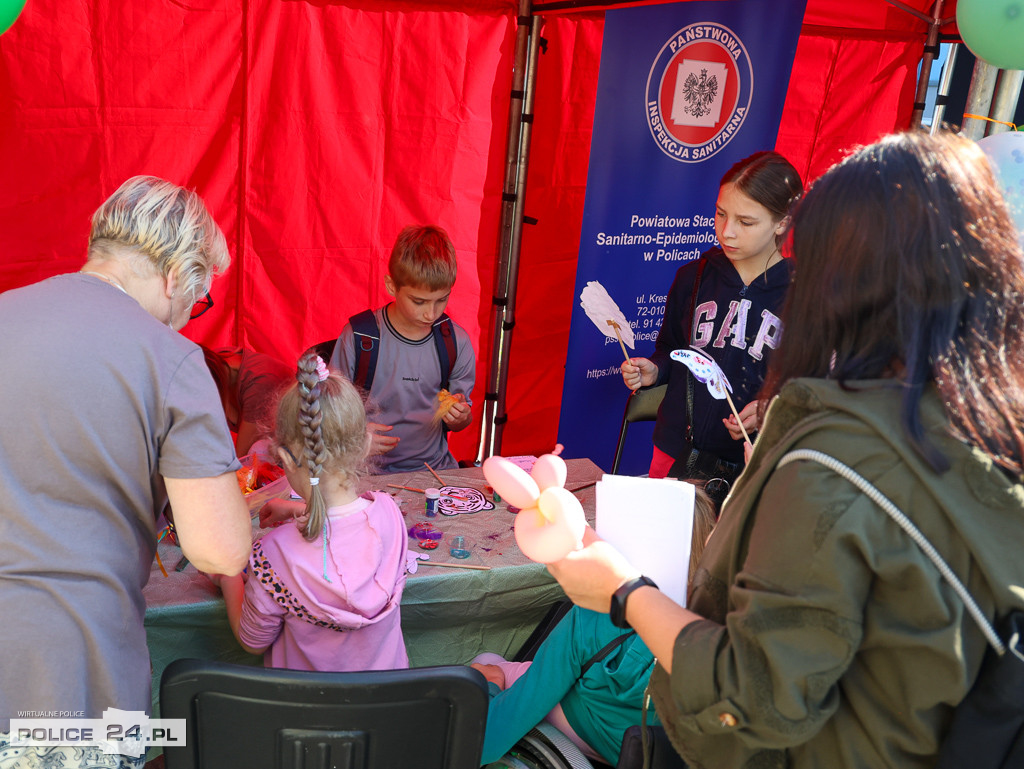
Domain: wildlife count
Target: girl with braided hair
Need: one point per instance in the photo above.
(325, 593)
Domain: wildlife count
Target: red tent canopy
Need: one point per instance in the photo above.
(315, 130)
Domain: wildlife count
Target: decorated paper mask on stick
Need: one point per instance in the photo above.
(550, 522)
(706, 370)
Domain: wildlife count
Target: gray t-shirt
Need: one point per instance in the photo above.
(98, 401)
(404, 392)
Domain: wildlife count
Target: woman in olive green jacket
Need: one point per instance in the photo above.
(818, 634)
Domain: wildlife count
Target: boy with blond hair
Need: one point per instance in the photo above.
(406, 353)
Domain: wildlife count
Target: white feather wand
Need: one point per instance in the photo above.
(602, 310)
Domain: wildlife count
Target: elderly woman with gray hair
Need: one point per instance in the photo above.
(95, 441)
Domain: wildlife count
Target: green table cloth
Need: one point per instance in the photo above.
(449, 615)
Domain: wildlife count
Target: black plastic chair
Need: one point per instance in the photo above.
(641, 406)
(265, 718)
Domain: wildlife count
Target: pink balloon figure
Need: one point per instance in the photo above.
(550, 522)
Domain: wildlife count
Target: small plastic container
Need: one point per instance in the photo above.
(458, 548)
(424, 530)
(432, 501)
(427, 537)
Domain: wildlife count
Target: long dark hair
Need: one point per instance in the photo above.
(908, 266)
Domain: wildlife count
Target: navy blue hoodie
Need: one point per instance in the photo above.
(738, 326)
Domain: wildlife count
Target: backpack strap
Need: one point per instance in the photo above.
(607, 649)
(901, 520)
(689, 341)
(366, 337)
(447, 349)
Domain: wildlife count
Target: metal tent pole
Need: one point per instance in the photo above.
(513, 198)
(1004, 104)
(931, 52)
(979, 99)
(944, 84)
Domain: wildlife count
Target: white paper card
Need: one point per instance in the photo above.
(526, 462)
(649, 521)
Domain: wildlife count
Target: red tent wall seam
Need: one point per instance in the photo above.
(821, 113)
(243, 178)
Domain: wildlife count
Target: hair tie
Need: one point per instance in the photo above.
(314, 481)
(322, 371)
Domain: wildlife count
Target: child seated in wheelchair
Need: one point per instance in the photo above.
(325, 593)
(591, 700)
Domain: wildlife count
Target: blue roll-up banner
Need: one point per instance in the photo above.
(685, 90)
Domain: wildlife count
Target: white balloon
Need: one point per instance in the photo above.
(1006, 155)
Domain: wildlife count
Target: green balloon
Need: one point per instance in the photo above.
(993, 30)
(9, 11)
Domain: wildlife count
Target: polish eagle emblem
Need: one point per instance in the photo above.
(699, 93)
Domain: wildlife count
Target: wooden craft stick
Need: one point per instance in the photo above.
(431, 469)
(737, 415)
(455, 565)
(407, 488)
(622, 344)
(582, 486)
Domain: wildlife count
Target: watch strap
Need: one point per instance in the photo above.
(617, 612)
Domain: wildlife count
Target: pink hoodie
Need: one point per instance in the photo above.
(353, 621)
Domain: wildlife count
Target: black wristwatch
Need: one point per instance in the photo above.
(619, 597)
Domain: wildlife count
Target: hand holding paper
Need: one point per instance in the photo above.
(650, 522)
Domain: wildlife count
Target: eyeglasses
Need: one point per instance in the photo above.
(202, 304)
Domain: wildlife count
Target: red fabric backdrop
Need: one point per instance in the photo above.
(316, 130)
